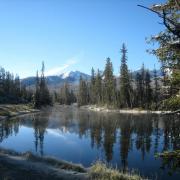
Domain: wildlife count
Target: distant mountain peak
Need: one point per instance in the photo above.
(71, 77)
(65, 74)
(73, 74)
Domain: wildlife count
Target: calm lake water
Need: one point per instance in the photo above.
(122, 140)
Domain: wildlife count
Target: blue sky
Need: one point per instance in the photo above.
(74, 34)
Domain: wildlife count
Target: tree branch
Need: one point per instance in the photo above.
(168, 26)
(159, 14)
(177, 4)
(166, 20)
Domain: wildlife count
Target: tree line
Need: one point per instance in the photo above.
(14, 92)
(143, 91)
(104, 88)
(126, 91)
(11, 89)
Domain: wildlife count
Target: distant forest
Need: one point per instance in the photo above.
(11, 90)
(142, 91)
(129, 90)
(123, 92)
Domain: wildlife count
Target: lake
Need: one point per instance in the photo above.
(126, 141)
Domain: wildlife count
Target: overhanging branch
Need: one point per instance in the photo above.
(167, 21)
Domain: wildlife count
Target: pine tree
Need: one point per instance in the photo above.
(156, 93)
(42, 94)
(83, 95)
(143, 96)
(139, 90)
(125, 86)
(168, 41)
(148, 90)
(72, 97)
(2, 80)
(37, 92)
(132, 91)
(45, 98)
(98, 88)
(92, 88)
(109, 86)
(11, 90)
(17, 88)
(66, 95)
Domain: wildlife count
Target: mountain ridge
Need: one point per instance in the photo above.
(72, 77)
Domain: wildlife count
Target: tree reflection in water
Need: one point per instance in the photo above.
(142, 133)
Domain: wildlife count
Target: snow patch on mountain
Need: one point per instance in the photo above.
(65, 74)
(68, 76)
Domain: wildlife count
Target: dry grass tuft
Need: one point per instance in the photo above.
(100, 171)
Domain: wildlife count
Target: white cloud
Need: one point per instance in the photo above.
(61, 69)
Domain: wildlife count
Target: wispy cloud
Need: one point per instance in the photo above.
(61, 69)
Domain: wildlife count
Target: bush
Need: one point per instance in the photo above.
(170, 160)
(173, 103)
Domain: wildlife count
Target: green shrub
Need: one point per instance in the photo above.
(173, 103)
(170, 160)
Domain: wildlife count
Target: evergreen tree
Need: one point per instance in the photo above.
(37, 92)
(168, 51)
(143, 88)
(66, 95)
(83, 96)
(132, 91)
(42, 94)
(148, 90)
(2, 80)
(139, 90)
(109, 85)
(92, 88)
(125, 86)
(143, 73)
(156, 93)
(45, 98)
(66, 92)
(72, 97)
(98, 88)
(11, 90)
(17, 87)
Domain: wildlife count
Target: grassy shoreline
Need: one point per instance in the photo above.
(15, 165)
(123, 111)
(12, 110)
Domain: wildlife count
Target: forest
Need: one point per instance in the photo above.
(141, 90)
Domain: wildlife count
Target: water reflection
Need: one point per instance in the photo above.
(8, 128)
(39, 124)
(118, 137)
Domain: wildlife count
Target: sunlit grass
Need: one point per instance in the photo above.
(100, 171)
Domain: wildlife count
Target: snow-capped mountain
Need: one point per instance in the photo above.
(71, 77)
(74, 75)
